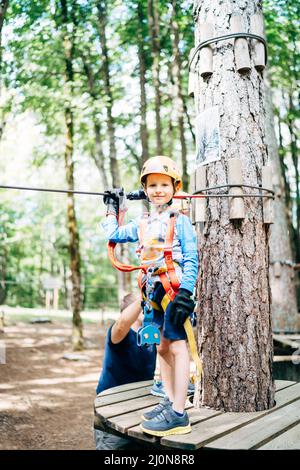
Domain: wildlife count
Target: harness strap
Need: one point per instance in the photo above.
(169, 297)
(168, 252)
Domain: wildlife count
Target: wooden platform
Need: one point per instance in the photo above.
(291, 340)
(119, 409)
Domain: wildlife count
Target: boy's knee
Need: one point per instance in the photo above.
(162, 349)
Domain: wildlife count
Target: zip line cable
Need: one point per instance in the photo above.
(139, 194)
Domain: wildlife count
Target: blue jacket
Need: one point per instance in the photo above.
(186, 236)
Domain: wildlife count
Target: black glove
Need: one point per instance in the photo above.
(181, 308)
(111, 199)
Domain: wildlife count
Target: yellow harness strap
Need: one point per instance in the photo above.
(190, 336)
(193, 347)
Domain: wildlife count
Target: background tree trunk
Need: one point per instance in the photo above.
(74, 248)
(97, 155)
(235, 334)
(155, 46)
(114, 167)
(142, 76)
(123, 278)
(284, 300)
(178, 92)
(3, 9)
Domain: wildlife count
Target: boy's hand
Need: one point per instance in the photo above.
(181, 308)
(111, 199)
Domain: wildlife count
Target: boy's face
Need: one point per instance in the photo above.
(159, 188)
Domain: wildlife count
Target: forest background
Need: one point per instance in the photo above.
(89, 90)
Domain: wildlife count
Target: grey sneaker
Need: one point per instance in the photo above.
(164, 403)
(166, 423)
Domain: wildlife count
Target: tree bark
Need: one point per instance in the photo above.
(284, 301)
(74, 246)
(123, 278)
(234, 329)
(178, 93)
(3, 10)
(102, 22)
(142, 76)
(294, 155)
(98, 155)
(155, 49)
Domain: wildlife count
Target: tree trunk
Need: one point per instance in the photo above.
(284, 301)
(235, 334)
(102, 21)
(98, 155)
(294, 155)
(74, 249)
(178, 93)
(155, 49)
(3, 9)
(124, 285)
(143, 98)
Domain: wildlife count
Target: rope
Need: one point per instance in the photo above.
(48, 190)
(223, 38)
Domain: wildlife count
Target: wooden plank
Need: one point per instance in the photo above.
(124, 422)
(260, 431)
(121, 396)
(287, 441)
(287, 358)
(121, 416)
(124, 388)
(287, 341)
(281, 384)
(227, 422)
(195, 415)
(125, 406)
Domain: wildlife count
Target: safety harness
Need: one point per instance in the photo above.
(149, 333)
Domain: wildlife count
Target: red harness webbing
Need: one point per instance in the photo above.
(169, 279)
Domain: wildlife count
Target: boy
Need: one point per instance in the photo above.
(161, 179)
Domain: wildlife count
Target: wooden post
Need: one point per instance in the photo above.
(237, 208)
(277, 269)
(267, 202)
(206, 53)
(55, 298)
(200, 204)
(2, 321)
(257, 27)
(48, 299)
(192, 190)
(191, 85)
(241, 50)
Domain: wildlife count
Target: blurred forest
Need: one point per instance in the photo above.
(89, 90)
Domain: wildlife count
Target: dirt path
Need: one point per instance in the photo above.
(46, 402)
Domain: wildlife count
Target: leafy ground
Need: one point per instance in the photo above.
(46, 401)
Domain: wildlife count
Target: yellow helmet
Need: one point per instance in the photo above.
(164, 166)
